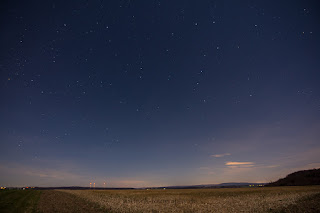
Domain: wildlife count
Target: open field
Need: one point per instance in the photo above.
(19, 200)
(35, 201)
(264, 199)
(200, 200)
(56, 201)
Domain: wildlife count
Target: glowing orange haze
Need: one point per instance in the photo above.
(238, 163)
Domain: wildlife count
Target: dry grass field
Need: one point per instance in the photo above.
(53, 201)
(12, 201)
(267, 199)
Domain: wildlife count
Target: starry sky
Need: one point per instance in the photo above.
(136, 93)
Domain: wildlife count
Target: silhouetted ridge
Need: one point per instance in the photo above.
(300, 178)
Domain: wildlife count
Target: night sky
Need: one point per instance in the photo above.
(155, 93)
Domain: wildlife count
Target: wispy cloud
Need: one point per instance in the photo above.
(38, 177)
(271, 166)
(231, 163)
(129, 183)
(205, 168)
(35, 176)
(220, 155)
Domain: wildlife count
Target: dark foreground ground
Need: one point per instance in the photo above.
(307, 204)
(44, 201)
(270, 199)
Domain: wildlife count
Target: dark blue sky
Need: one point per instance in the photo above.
(146, 93)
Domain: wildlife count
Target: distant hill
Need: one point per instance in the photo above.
(210, 186)
(300, 178)
(80, 188)
(202, 186)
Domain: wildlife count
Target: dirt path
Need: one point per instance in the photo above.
(56, 201)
